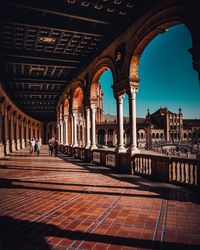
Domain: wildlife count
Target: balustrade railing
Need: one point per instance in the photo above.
(143, 165)
(169, 169)
(184, 171)
(96, 157)
(110, 159)
(160, 168)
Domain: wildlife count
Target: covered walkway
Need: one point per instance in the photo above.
(63, 203)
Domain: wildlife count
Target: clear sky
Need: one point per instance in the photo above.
(167, 77)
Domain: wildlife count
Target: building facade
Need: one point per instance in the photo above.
(162, 126)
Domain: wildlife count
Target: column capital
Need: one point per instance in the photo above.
(93, 107)
(87, 109)
(65, 118)
(120, 97)
(132, 92)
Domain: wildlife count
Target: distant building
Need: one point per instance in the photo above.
(160, 126)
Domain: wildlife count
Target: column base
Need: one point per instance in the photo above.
(120, 149)
(75, 146)
(88, 146)
(23, 144)
(93, 147)
(13, 146)
(18, 145)
(7, 149)
(133, 151)
(2, 154)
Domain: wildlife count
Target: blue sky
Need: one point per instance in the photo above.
(167, 77)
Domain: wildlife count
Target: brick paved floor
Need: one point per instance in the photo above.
(63, 203)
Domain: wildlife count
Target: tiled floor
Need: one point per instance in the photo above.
(53, 203)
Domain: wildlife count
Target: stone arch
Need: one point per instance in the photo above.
(77, 99)
(66, 107)
(101, 66)
(159, 23)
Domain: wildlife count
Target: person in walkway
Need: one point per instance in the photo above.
(51, 145)
(32, 146)
(37, 147)
(56, 146)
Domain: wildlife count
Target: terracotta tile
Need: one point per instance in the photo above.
(47, 202)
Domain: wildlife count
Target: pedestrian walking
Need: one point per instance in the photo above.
(37, 147)
(56, 146)
(31, 146)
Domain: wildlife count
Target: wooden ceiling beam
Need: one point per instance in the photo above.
(61, 8)
(60, 58)
(37, 80)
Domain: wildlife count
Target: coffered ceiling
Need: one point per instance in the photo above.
(44, 45)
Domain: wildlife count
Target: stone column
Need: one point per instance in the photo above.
(27, 133)
(12, 139)
(1, 139)
(74, 115)
(58, 131)
(93, 112)
(61, 132)
(22, 135)
(72, 130)
(40, 135)
(17, 134)
(120, 124)
(88, 141)
(106, 138)
(65, 132)
(6, 131)
(132, 116)
(31, 127)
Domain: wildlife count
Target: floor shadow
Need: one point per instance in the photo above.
(22, 234)
(7, 183)
(28, 168)
(164, 190)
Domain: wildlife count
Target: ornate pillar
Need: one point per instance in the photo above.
(40, 134)
(1, 139)
(114, 138)
(31, 127)
(132, 119)
(12, 139)
(27, 133)
(61, 132)
(17, 133)
(65, 132)
(22, 135)
(74, 115)
(93, 112)
(58, 131)
(6, 133)
(88, 141)
(72, 130)
(120, 124)
(106, 137)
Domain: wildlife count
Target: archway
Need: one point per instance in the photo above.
(168, 85)
(78, 122)
(103, 104)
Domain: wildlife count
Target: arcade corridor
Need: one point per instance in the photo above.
(63, 203)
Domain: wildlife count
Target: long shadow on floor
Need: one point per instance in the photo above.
(164, 190)
(22, 234)
(8, 183)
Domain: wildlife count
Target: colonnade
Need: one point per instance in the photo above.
(16, 128)
(69, 126)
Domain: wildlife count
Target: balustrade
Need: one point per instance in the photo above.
(110, 160)
(175, 170)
